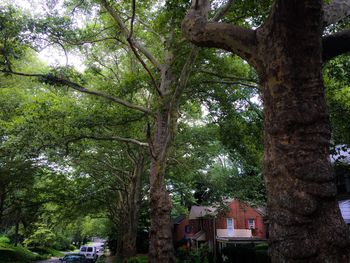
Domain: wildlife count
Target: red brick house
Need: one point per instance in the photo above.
(238, 223)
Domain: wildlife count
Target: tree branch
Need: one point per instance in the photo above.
(227, 76)
(132, 18)
(133, 43)
(199, 31)
(222, 11)
(111, 138)
(231, 83)
(56, 80)
(336, 44)
(126, 33)
(336, 11)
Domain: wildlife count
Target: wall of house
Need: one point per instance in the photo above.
(241, 213)
(179, 230)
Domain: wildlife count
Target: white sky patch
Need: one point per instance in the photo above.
(54, 56)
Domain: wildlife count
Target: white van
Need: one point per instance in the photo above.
(89, 252)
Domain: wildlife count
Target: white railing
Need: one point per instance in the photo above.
(234, 233)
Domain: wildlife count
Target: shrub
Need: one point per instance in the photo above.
(134, 260)
(41, 237)
(4, 240)
(18, 254)
(246, 254)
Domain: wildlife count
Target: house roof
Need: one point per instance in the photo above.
(199, 236)
(202, 211)
(207, 211)
(177, 220)
(261, 210)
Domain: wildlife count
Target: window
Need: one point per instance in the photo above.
(83, 249)
(229, 222)
(89, 249)
(251, 223)
(187, 229)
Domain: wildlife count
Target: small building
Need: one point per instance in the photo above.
(236, 223)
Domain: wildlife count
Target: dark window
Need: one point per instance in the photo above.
(188, 229)
(89, 249)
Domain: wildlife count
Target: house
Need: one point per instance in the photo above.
(181, 230)
(237, 223)
(341, 164)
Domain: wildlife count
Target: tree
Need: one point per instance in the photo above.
(167, 68)
(288, 52)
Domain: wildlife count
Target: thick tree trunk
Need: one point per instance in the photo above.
(305, 222)
(161, 247)
(161, 242)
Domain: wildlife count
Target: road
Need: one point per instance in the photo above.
(98, 244)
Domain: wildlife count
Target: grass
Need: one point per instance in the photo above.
(47, 252)
(16, 254)
(19, 254)
(138, 259)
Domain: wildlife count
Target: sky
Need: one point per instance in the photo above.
(51, 55)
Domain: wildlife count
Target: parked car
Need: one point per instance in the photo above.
(76, 258)
(89, 252)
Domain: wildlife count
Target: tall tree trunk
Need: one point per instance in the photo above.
(132, 212)
(161, 243)
(305, 222)
(2, 205)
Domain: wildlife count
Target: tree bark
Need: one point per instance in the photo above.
(131, 212)
(161, 242)
(305, 222)
(2, 204)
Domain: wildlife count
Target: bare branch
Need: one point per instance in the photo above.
(231, 83)
(132, 18)
(336, 11)
(109, 138)
(336, 44)
(185, 73)
(227, 76)
(56, 80)
(199, 31)
(222, 11)
(134, 44)
(126, 33)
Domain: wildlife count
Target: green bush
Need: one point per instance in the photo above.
(18, 254)
(71, 247)
(261, 246)
(134, 260)
(137, 259)
(101, 259)
(246, 254)
(4, 240)
(62, 243)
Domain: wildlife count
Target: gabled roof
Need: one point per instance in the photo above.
(261, 210)
(202, 211)
(177, 220)
(199, 236)
(209, 211)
